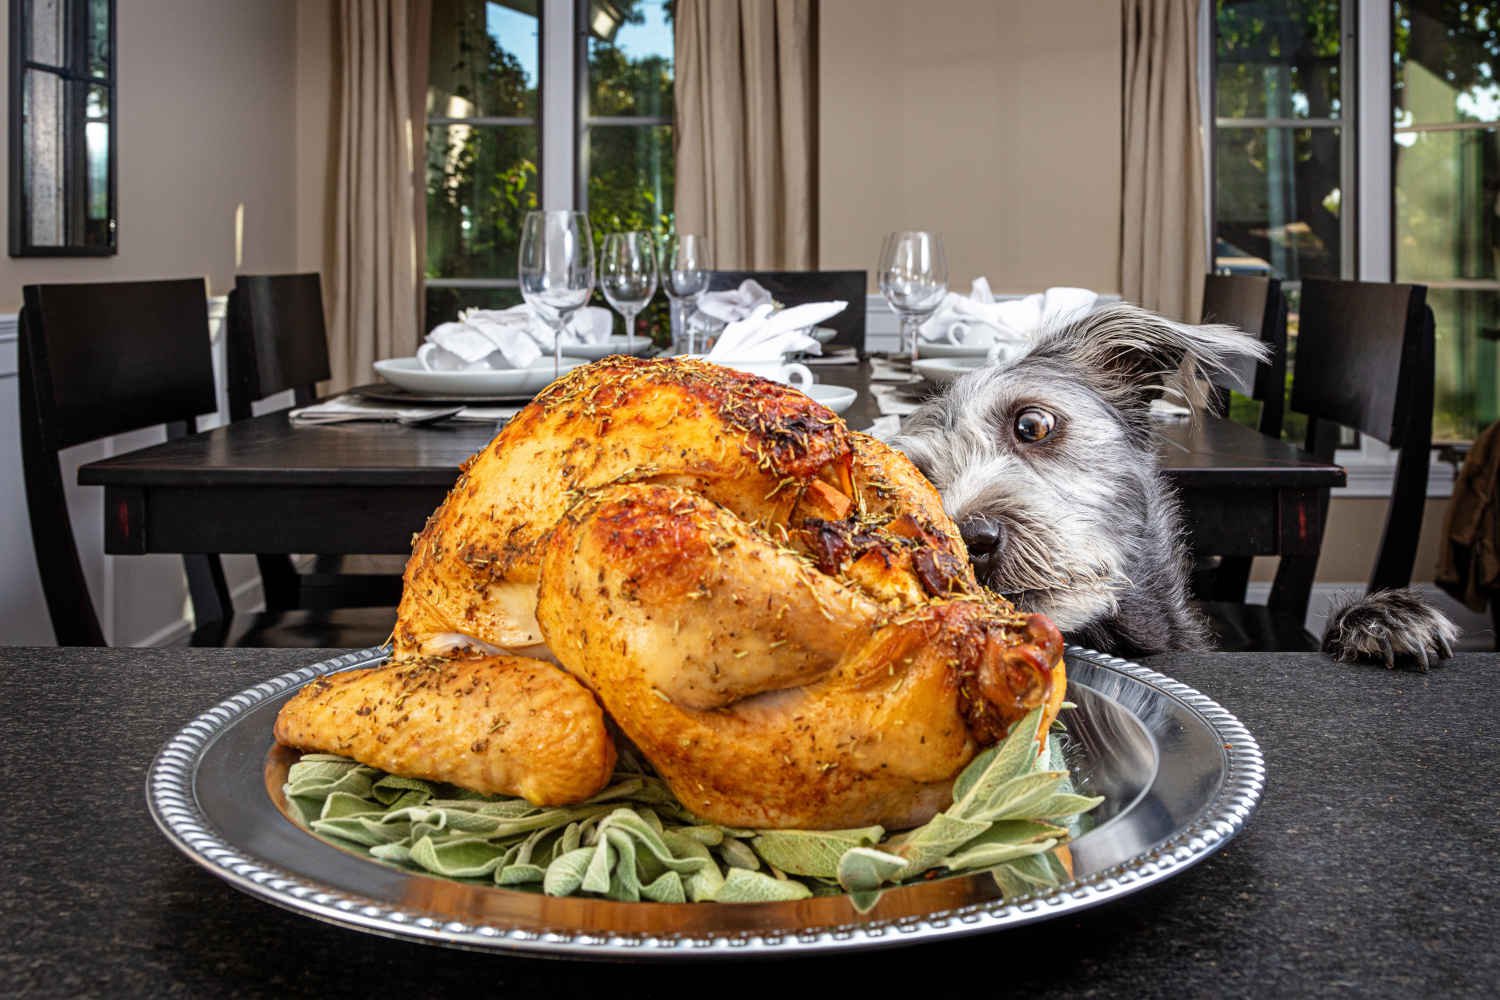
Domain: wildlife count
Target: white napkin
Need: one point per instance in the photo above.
(884, 428)
(1004, 326)
(768, 336)
(484, 339)
(344, 409)
(734, 304)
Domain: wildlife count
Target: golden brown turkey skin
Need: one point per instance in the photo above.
(765, 692)
(500, 725)
(748, 444)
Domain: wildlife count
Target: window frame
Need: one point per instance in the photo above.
(1368, 150)
(76, 82)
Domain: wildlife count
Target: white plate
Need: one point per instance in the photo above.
(939, 349)
(614, 345)
(941, 371)
(837, 398)
(409, 374)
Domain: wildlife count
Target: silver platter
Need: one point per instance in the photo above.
(1180, 777)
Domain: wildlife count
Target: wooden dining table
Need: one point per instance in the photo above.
(269, 485)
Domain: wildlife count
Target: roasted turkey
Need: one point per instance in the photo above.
(775, 610)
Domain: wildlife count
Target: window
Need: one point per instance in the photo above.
(1296, 133)
(62, 128)
(483, 151)
(502, 120)
(1446, 107)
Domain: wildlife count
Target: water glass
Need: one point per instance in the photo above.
(556, 269)
(684, 277)
(913, 279)
(627, 276)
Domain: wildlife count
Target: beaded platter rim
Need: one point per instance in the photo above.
(174, 806)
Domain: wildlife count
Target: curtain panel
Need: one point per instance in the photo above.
(1163, 251)
(379, 211)
(746, 97)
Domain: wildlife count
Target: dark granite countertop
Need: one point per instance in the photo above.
(1371, 868)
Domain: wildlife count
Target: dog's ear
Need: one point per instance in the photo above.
(1134, 354)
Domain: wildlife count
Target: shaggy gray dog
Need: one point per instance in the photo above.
(1048, 466)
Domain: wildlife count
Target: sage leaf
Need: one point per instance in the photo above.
(745, 886)
(813, 853)
(565, 875)
(864, 869)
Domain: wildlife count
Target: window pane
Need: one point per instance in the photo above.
(1447, 55)
(1468, 323)
(48, 32)
(1447, 186)
(1277, 201)
(630, 177)
(98, 40)
(630, 57)
(443, 304)
(1277, 59)
(484, 59)
(480, 184)
(44, 152)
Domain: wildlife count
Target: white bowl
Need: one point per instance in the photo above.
(941, 371)
(614, 345)
(506, 383)
(837, 398)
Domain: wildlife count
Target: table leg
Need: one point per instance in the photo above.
(1303, 516)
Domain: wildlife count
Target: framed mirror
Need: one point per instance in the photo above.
(62, 128)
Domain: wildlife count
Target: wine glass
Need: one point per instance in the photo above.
(556, 269)
(684, 277)
(914, 280)
(627, 276)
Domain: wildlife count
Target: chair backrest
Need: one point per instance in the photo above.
(97, 360)
(1365, 361)
(792, 288)
(276, 339)
(1255, 305)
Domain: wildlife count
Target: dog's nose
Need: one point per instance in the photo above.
(982, 535)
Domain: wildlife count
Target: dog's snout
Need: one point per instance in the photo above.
(982, 535)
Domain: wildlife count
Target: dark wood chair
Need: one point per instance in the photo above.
(277, 342)
(1255, 305)
(98, 360)
(94, 361)
(792, 288)
(1364, 361)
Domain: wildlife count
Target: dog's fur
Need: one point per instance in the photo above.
(1090, 533)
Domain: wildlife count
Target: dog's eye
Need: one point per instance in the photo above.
(1033, 424)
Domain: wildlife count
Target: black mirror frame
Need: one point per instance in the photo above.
(20, 244)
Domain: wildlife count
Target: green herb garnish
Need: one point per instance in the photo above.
(634, 841)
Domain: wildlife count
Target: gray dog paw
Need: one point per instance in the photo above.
(1391, 627)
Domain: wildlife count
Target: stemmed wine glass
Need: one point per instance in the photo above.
(684, 277)
(914, 280)
(627, 276)
(556, 269)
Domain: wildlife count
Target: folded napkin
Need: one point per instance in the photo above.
(764, 335)
(506, 338)
(344, 409)
(734, 304)
(1004, 326)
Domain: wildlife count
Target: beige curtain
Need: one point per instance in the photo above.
(379, 214)
(746, 130)
(1163, 255)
